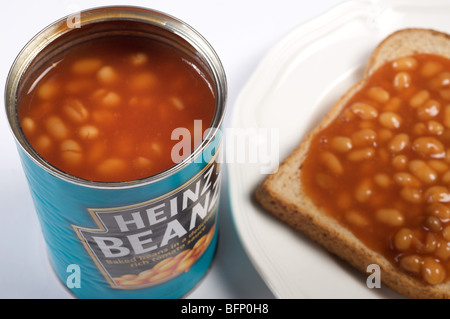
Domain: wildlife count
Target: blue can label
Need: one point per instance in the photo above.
(148, 243)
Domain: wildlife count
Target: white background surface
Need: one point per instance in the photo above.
(241, 32)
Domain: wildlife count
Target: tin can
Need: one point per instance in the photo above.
(148, 238)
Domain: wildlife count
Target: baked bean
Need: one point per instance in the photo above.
(142, 162)
(432, 271)
(446, 120)
(364, 111)
(406, 179)
(442, 80)
(138, 59)
(445, 94)
(127, 278)
(402, 80)
(399, 143)
(325, 181)
(447, 156)
(393, 105)
(433, 224)
(390, 120)
(443, 250)
(183, 254)
(43, 143)
(430, 244)
(104, 117)
(422, 171)
(107, 75)
(364, 137)
(419, 98)
(439, 210)
(146, 274)
(382, 180)
(171, 262)
(446, 177)
(411, 263)
(134, 101)
(72, 158)
(332, 163)
(117, 281)
(419, 129)
(70, 146)
(356, 218)
(28, 125)
(71, 152)
(111, 99)
(86, 66)
(143, 81)
(400, 162)
(178, 103)
(384, 135)
(428, 146)
(341, 144)
(446, 233)
(435, 128)
(445, 136)
(344, 200)
(185, 264)
(156, 148)
(430, 68)
(162, 263)
(56, 128)
(428, 110)
(347, 115)
(361, 154)
(75, 111)
(411, 194)
(111, 167)
(88, 132)
(404, 64)
(160, 276)
(199, 242)
(403, 239)
(389, 216)
(48, 90)
(364, 190)
(438, 165)
(378, 94)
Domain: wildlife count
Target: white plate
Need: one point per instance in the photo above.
(295, 84)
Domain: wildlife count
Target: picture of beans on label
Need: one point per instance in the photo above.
(153, 241)
(169, 267)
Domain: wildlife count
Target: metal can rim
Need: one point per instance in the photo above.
(115, 13)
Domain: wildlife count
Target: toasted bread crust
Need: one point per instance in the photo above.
(281, 193)
(407, 42)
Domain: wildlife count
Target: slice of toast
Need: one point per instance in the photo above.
(282, 194)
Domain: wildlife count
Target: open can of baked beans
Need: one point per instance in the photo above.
(117, 114)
